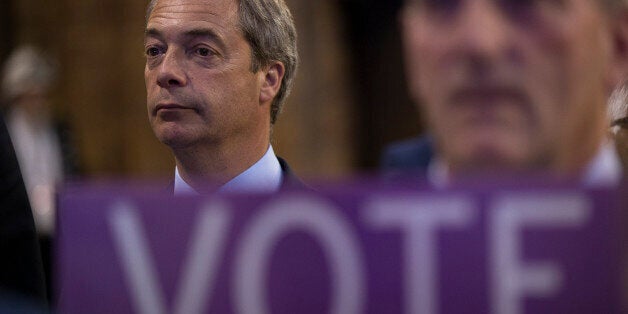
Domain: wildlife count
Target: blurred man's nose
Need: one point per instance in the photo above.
(482, 29)
(171, 70)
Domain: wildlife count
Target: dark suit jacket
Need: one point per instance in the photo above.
(21, 270)
(408, 157)
(290, 180)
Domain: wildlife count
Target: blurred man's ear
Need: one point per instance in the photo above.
(619, 62)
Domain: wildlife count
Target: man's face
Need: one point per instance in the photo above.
(508, 84)
(200, 88)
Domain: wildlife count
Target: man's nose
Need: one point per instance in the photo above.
(483, 29)
(171, 70)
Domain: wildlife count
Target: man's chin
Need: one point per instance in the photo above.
(173, 139)
(176, 144)
(495, 159)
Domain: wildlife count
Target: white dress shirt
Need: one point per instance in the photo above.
(264, 176)
(605, 169)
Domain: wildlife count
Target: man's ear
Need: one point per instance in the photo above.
(273, 76)
(619, 62)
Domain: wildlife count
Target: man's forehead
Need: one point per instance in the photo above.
(160, 3)
(199, 7)
(220, 14)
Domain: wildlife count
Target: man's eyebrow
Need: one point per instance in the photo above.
(152, 32)
(205, 33)
(202, 32)
(192, 33)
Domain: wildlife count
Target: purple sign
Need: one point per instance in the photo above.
(348, 251)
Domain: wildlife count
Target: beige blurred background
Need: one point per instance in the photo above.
(349, 99)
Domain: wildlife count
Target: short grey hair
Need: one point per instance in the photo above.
(268, 27)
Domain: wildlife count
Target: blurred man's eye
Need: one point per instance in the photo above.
(524, 7)
(441, 6)
(514, 5)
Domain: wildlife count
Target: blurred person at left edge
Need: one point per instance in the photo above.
(41, 139)
(217, 73)
(21, 272)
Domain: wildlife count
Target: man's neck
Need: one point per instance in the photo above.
(582, 141)
(217, 164)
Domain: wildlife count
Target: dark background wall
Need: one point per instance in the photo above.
(385, 112)
(7, 27)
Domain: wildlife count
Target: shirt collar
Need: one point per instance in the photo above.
(265, 176)
(604, 170)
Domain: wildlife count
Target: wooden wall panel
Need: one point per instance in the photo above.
(7, 20)
(315, 131)
(101, 89)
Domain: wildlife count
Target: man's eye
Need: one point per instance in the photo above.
(204, 52)
(152, 51)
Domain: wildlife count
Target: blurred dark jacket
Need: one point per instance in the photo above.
(411, 156)
(21, 271)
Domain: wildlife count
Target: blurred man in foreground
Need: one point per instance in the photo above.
(509, 87)
(217, 73)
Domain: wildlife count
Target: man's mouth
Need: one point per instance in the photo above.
(491, 105)
(172, 107)
(488, 96)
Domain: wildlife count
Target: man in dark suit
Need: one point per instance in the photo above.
(409, 156)
(21, 270)
(217, 73)
(511, 87)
